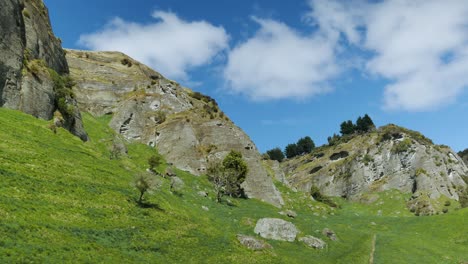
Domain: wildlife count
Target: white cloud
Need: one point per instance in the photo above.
(419, 46)
(278, 62)
(170, 45)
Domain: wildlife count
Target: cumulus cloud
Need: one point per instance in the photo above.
(278, 62)
(169, 44)
(420, 46)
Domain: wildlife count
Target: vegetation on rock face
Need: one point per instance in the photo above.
(63, 93)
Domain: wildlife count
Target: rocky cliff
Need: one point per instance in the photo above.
(187, 127)
(388, 158)
(464, 155)
(32, 64)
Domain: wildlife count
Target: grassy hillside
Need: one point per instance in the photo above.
(62, 200)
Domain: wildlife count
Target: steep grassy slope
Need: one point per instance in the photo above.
(62, 200)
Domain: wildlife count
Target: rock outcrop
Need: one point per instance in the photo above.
(313, 242)
(464, 155)
(187, 127)
(29, 52)
(388, 158)
(276, 229)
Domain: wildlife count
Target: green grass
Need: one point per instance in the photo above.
(62, 200)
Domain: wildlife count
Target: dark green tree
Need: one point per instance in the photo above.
(364, 124)
(228, 176)
(347, 128)
(291, 150)
(276, 154)
(305, 145)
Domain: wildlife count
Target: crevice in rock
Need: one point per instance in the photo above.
(314, 170)
(124, 127)
(339, 155)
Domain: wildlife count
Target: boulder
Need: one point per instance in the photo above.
(276, 229)
(253, 243)
(313, 242)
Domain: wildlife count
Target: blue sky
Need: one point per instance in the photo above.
(284, 71)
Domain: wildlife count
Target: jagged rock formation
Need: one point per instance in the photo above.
(464, 155)
(188, 128)
(28, 51)
(389, 158)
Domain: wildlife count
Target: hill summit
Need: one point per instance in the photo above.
(391, 157)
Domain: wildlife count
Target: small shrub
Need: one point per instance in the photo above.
(445, 210)
(126, 62)
(160, 116)
(447, 203)
(53, 128)
(319, 197)
(153, 162)
(26, 13)
(366, 159)
(420, 171)
(402, 146)
(146, 183)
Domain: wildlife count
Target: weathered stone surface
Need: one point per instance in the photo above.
(189, 131)
(379, 161)
(313, 242)
(27, 49)
(12, 42)
(253, 243)
(276, 229)
(202, 193)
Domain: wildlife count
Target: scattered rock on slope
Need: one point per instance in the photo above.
(313, 242)
(276, 229)
(253, 243)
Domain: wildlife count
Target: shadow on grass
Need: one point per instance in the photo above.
(147, 205)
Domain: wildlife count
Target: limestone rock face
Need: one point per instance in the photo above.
(186, 127)
(276, 229)
(28, 49)
(389, 158)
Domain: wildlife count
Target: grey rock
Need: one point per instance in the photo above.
(177, 184)
(276, 229)
(313, 242)
(330, 234)
(169, 172)
(203, 194)
(151, 109)
(205, 208)
(253, 243)
(373, 165)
